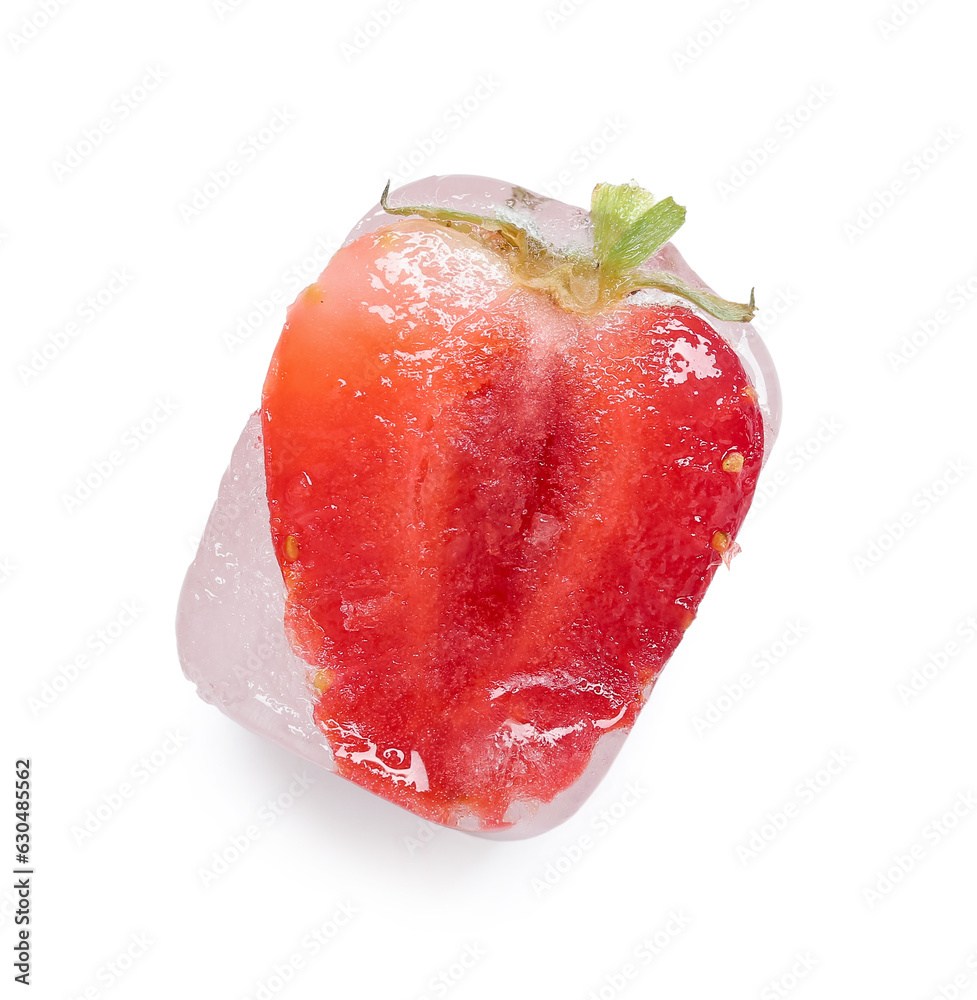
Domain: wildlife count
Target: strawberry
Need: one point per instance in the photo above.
(504, 457)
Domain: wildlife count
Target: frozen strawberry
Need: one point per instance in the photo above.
(505, 451)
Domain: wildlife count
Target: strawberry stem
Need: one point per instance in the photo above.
(629, 227)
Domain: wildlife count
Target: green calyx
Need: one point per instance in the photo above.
(629, 226)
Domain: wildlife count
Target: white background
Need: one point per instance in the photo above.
(569, 101)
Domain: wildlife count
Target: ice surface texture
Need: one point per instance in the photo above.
(231, 619)
(231, 633)
(569, 225)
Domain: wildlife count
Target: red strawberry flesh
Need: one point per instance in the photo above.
(495, 518)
